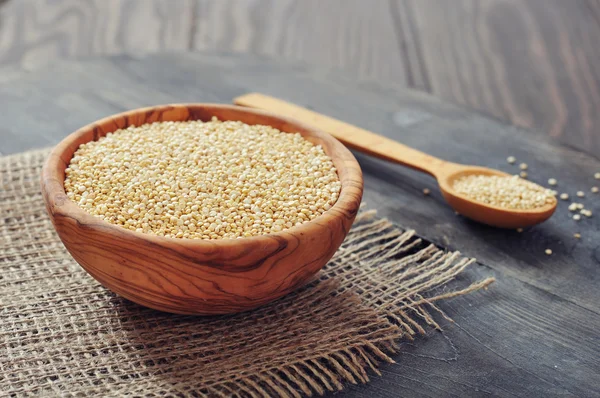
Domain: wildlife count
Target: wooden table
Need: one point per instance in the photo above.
(535, 332)
(534, 63)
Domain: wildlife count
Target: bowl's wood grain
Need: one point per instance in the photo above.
(192, 276)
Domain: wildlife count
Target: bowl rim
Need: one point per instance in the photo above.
(58, 203)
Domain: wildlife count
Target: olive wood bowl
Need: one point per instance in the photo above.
(195, 276)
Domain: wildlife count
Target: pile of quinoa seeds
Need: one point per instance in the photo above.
(204, 180)
(512, 192)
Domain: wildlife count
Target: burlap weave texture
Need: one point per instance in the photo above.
(62, 333)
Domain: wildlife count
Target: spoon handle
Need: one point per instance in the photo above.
(352, 136)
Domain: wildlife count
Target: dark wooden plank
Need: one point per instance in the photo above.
(533, 333)
(532, 62)
(355, 35)
(411, 46)
(34, 32)
(339, 33)
(523, 352)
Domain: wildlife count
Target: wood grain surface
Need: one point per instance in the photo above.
(535, 63)
(35, 32)
(194, 276)
(533, 333)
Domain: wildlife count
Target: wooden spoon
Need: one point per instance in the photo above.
(445, 172)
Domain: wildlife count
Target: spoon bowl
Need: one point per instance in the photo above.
(482, 212)
(445, 172)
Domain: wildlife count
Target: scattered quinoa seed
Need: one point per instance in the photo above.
(576, 217)
(426, 191)
(581, 194)
(587, 213)
(578, 236)
(579, 206)
(523, 174)
(511, 159)
(203, 180)
(523, 166)
(548, 251)
(510, 192)
(552, 181)
(564, 196)
(597, 176)
(594, 189)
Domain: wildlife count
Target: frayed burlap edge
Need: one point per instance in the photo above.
(381, 286)
(424, 270)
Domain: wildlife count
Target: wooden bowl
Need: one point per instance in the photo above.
(195, 276)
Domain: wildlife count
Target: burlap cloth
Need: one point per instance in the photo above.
(62, 333)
